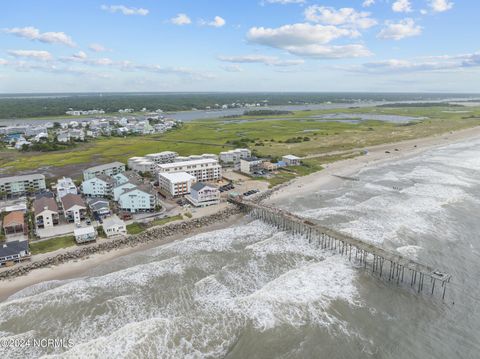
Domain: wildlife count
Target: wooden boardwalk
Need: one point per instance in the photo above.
(382, 262)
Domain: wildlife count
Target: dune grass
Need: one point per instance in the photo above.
(50, 245)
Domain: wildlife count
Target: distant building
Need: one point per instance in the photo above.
(138, 199)
(250, 165)
(141, 164)
(175, 184)
(46, 212)
(291, 160)
(18, 185)
(65, 186)
(14, 223)
(85, 234)
(13, 251)
(74, 208)
(202, 195)
(234, 156)
(269, 166)
(203, 170)
(113, 226)
(63, 137)
(100, 186)
(108, 169)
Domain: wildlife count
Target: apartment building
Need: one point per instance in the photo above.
(18, 185)
(138, 199)
(65, 186)
(234, 156)
(175, 184)
(141, 164)
(203, 170)
(108, 169)
(162, 157)
(101, 186)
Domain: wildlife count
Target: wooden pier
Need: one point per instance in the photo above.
(381, 262)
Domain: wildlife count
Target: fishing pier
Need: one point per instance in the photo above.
(381, 262)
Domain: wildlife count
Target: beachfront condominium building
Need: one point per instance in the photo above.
(162, 157)
(108, 169)
(18, 185)
(175, 184)
(141, 164)
(202, 195)
(101, 186)
(118, 190)
(250, 165)
(203, 170)
(196, 157)
(65, 186)
(234, 156)
(138, 199)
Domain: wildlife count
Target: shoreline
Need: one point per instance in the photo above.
(73, 267)
(326, 179)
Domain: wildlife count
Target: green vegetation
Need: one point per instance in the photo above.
(301, 133)
(162, 221)
(53, 244)
(136, 228)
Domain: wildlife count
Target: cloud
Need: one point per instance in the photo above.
(344, 16)
(3, 61)
(368, 3)
(402, 6)
(31, 54)
(267, 60)
(310, 40)
(433, 63)
(216, 22)
(33, 33)
(283, 2)
(80, 55)
(441, 5)
(125, 10)
(181, 19)
(400, 30)
(97, 47)
(230, 68)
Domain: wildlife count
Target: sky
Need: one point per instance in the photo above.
(233, 45)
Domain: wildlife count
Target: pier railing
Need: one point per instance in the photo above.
(381, 262)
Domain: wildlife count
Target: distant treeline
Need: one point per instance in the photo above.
(38, 105)
(266, 113)
(421, 104)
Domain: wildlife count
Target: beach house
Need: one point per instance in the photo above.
(46, 212)
(202, 195)
(74, 208)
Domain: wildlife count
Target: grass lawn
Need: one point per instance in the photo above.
(162, 221)
(135, 228)
(51, 245)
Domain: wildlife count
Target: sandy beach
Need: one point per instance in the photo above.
(376, 155)
(323, 179)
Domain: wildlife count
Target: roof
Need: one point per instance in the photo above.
(164, 153)
(200, 185)
(105, 166)
(291, 157)
(13, 218)
(70, 200)
(178, 177)
(13, 247)
(251, 159)
(142, 188)
(83, 230)
(35, 176)
(104, 178)
(40, 204)
(112, 221)
(188, 163)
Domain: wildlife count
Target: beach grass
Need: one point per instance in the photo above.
(50, 245)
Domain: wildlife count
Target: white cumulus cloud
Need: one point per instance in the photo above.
(181, 19)
(402, 6)
(368, 3)
(31, 54)
(33, 33)
(216, 22)
(125, 10)
(97, 47)
(441, 5)
(400, 30)
(344, 16)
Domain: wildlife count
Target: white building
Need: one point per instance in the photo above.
(108, 169)
(175, 184)
(65, 186)
(202, 195)
(162, 157)
(138, 199)
(113, 226)
(74, 208)
(118, 190)
(46, 212)
(196, 157)
(203, 170)
(100, 186)
(18, 185)
(291, 160)
(234, 156)
(85, 234)
(250, 165)
(141, 164)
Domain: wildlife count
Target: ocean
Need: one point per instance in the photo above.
(252, 291)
